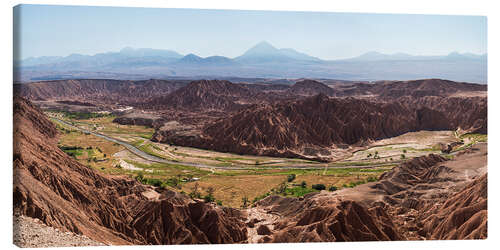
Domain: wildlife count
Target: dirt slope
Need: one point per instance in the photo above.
(62, 193)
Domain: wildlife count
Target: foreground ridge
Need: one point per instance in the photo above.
(54, 188)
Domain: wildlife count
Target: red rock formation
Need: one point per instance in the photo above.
(467, 113)
(421, 193)
(310, 88)
(327, 218)
(462, 216)
(424, 87)
(97, 90)
(53, 187)
(206, 95)
(314, 126)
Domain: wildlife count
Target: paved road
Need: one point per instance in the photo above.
(153, 158)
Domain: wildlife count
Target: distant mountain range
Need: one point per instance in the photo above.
(263, 60)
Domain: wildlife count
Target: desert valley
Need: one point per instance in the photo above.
(255, 160)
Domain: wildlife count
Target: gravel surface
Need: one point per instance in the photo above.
(30, 232)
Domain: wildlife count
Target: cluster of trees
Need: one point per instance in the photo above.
(172, 182)
(83, 115)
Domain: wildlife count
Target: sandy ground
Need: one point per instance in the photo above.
(30, 232)
(127, 155)
(420, 139)
(151, 194)
(128, 166)
(414, 143)
(471, 94)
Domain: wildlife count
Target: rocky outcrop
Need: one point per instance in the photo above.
(432, 202)
(469, 114)
(310, 88)
(56, 189)
(325, 218)
(206, 95)
(462, 216)
(315, 127)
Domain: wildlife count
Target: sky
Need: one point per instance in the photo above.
(49, 30)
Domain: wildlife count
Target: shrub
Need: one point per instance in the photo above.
(139, 177)
(303, 184)
(291, 177)
(318, 186)
(332, 188)
(245, 202)
(281, 188)
(194, 191)
(163, 185)
(173, 182)
(208, 198)
(210, 195)
(403, 156)
(154, 182)
(219, 202)
(404, 151)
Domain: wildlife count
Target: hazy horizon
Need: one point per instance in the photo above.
(135, 48)
(50, 30)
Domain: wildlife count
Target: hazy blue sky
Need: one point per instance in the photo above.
(61, 30)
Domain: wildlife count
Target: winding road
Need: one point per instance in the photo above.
(153, 158)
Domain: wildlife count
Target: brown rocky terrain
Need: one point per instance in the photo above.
(425, 87)
(316, 126)
(428, 197)
(63, 194)
(206, 95)
(470, 114)
(309, 88)
(389, 90)
(212, 91)
(97, 91)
